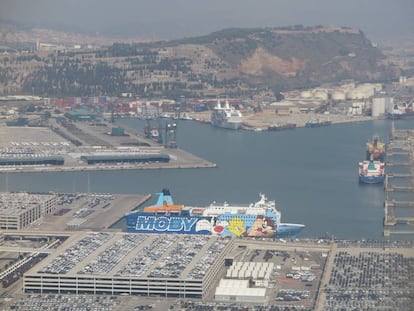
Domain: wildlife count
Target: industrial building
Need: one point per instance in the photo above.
(80, 115)
(19, 210)
(31, 159)
(184, 266)
(125, 158)
(237, 286)
(240, 291)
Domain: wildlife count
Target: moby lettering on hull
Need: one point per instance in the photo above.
(259, 219)
(164, 223)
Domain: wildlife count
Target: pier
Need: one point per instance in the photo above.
(394, 203)
(395, 188)
(391, 175)
(401, 144)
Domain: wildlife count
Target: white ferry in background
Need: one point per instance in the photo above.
(226, 116)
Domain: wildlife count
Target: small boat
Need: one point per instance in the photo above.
(317, 123)
(280, 127)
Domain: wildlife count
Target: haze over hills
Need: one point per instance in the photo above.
(168, 20)
(236, 59)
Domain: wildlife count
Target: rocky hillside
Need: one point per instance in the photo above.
(297, 56)
(234, 62)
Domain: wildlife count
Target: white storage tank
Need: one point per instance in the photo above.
(379, 105)
(338, 95)
(321, 94)
(306, 94)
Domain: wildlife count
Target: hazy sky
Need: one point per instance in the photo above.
(166, 19)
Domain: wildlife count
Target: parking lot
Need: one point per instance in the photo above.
(93, 211)
(362, 275)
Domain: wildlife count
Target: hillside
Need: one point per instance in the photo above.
(236, 61)
(299, 56)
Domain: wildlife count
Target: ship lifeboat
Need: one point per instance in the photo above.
(197, 211)
(166, 208)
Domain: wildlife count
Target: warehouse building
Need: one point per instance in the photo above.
(80, 115)
(19, 210)
(116, 263)
(31, 160)
(237, 290)
(245, 282)
(124, 158)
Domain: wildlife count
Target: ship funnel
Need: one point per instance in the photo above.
(218, 103)
(164, 198)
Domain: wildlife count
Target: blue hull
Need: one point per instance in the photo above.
(143, 222)
(371, 179)
(399, 116)
(288, 231)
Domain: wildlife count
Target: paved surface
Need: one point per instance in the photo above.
(97, 217)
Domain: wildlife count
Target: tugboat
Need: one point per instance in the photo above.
(317, 123)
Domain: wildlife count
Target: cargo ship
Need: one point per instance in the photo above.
(375, 149)
(371, 172)
(226, 116)
(402, 111)
(259, 219)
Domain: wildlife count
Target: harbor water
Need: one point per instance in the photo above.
(312, 173)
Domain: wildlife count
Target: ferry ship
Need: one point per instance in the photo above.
(259, 219)
(375, 149)
(226, 116)
(371, 172)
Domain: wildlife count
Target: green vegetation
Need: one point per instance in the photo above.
(200, 65)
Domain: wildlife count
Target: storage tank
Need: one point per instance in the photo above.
(338, 95)
(379, 105)
(306, 94)
(321, 94)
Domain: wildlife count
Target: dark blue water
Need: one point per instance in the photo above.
(311, 173)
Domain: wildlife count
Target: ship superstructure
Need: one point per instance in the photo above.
(226, 116)
(371, 172)
(402, 111)
(375, 149)
(259, 219)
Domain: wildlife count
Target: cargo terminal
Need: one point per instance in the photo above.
(19, 210)
(117, 263)
(177, 266)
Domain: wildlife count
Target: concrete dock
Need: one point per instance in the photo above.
(45, 142)
(401, 144)
(87, 214)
